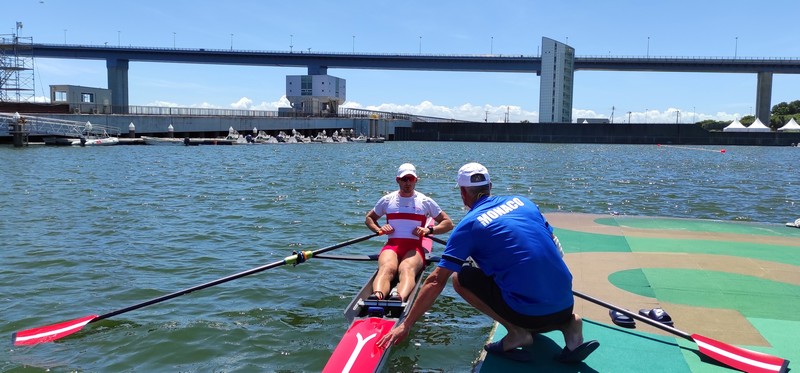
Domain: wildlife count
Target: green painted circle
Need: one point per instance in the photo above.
(752, 296)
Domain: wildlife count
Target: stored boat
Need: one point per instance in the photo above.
(163, 141)
(95, 141)
(369, 321)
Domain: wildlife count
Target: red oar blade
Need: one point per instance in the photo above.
(50, 333)
(740, 358)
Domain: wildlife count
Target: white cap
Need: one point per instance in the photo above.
(472, 174)
(406, 169)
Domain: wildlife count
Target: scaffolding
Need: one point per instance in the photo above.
(16, 68)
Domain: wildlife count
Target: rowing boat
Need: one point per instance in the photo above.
(369, 321)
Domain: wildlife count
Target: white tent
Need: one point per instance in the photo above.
(791, 126)
(735, 126)
(757, 126)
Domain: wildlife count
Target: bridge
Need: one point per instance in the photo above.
(118, 58)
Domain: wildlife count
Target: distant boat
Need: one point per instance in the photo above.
(162, 141)
(95, 141)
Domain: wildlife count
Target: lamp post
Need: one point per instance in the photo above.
(65, 36)
(291, 38)
(354, 44)
(736, 48)
(173, 40)
(420, 45)
(118, 37)
(645, 116)
(648, 47)
(231, 41)
(629, 117)
(491, 46)
(612, 114)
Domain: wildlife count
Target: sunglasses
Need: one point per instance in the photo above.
(408, 179)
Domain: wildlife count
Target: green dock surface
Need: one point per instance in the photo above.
(738, 283)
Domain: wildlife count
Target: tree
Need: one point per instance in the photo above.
(780, 109)
(794, 107)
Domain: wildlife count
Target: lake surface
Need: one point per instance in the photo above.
(91, 230)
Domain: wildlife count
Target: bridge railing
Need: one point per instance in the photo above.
(189, 111)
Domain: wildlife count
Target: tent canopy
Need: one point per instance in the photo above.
(757, 126)
(735, 126)
(790, 126)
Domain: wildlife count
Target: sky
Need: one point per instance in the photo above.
(681, 28)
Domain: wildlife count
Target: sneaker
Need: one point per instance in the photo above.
(378, 295)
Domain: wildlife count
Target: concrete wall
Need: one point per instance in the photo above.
(686, 134)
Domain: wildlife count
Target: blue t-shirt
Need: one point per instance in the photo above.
(510, 240)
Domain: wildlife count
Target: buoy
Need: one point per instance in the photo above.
(722, 151)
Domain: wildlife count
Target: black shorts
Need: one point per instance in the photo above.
(485, 288)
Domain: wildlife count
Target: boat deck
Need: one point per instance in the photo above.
(738, 283)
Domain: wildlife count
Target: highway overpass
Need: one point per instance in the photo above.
(118, 58)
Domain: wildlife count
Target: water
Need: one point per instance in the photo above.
(92, 230)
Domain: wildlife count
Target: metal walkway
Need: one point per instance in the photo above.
(41, 126)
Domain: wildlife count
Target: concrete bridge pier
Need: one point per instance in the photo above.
(118, 84)
(764, 97)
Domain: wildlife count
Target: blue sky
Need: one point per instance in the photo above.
(618, 28)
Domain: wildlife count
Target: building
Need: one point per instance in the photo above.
(82, 100)
(555, 88)
(315, 95)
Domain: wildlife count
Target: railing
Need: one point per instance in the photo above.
(188, 111)
(4, 41)
(33, 125)
(344, 112)
(374, 114)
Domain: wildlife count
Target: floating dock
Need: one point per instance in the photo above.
(735, 282)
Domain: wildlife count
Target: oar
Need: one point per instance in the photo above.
(437, 240)
(356, 258)
(50, 333)
(732, 356)
(366, 258)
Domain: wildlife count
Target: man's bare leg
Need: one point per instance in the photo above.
(411, 264)
(387, 269)
(516, 337)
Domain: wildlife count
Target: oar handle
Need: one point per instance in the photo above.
(437, 240)
(636, 316)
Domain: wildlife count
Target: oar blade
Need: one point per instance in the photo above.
(49, 333)
(740, 358)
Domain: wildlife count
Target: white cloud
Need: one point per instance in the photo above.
(243, 103)
(162, 104)
(272, 106)
(43, 99)
(670, 115)
(476, 113)
(467, 111)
